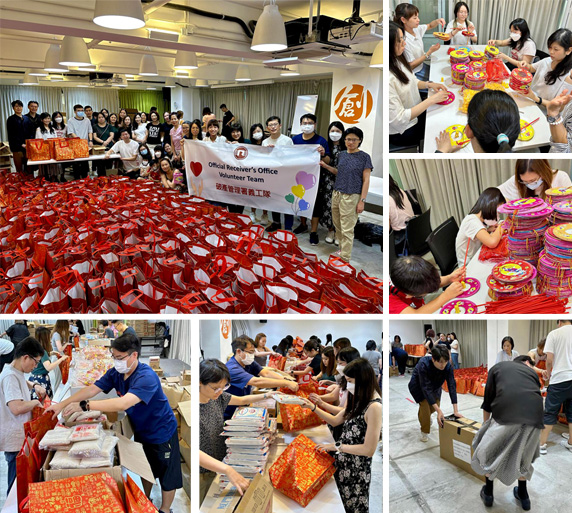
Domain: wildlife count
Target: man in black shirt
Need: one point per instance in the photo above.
(32, 119)
(16, 128)
(89, 115)
(508, 442)
(425, 387)
(227, 119)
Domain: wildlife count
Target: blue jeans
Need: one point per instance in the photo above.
(11, 460)
(455, 357)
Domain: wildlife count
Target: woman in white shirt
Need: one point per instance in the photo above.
(212, 133)
(461, 24)
(532, 177)
(405, 105)
(508, 354)
(139, 129)
(481, 226)
(522, 47)
(455, 349)
(400, 212)
(46, 131)
(551, 75)
(559, 116)
(407, 15)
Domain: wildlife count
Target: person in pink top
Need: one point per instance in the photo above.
(176, 134)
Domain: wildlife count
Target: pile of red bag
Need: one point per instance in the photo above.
(113, 245)
(471, 380)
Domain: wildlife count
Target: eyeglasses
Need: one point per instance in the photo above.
(352, 140)
(120, 358)
(307, 124)
(217, 390)
(528, 182)
(36, 361)
(273, 125)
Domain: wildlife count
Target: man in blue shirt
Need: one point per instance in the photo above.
(425, 387)
(246, 373)
(309, 136)
(123, 329)
(141, 397)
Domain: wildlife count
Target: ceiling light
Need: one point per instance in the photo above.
(132, 77)
(56, 78)
(293, 71)
(243, 73)
(52, 60)
(270, 32)
(186, 60)
(36, 72)
(29, 80)
(82, 85)
(164, 35)
(93, 67)
(129, 75)
(74, 52)
(254, 82)
(201, 83)
(285, 61)
(151, 89)
(148, 67)
(170, 83)
(377, 57)
(121, 15)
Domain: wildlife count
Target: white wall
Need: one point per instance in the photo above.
(519, 331)
(411, 332)
(358, 331)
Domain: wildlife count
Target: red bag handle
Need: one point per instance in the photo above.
(104, 281)
(224, 300)
(185, 300)
(137, 293)
(130, 274)
(172, 261)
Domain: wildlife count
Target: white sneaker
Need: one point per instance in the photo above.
(424, 437)
(331, 237)
(337, 242)
(566, 435)
(543, 449)
(564, 443)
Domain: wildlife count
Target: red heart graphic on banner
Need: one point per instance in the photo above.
(196, 168)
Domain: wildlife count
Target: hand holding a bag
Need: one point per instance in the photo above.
(316, 399)
(40, 392)
(309, 405)
(292, 385)
(326, 448)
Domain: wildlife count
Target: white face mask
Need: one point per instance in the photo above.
(307, 129)
(514, 36)
(121, 366)
(157, 154)
(335, 136)
(58, 120)
(490, 222)
(248, 359)
(257, 135)
(351, 388)
(340, 369)
(535, 185)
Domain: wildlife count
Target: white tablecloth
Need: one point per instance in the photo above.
(328, 498)
(440, 117)
(54, 161)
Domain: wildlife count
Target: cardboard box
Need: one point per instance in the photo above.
(104, 342)
(159, 372)
(455, 440)
(184, 409)
(186, 377)
(172, 380)
(257, 499)
(97, 150)
(393, 371)
(155, 362)
(131, 456)
(185, 451)
(173, 393)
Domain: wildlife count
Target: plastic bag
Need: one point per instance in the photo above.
(496, 70)
(62, 460)
(59, 436)
(85, 432)
(87, 449)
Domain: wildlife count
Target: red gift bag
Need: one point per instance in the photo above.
(63, 149)
(38, 149)
(28, 465)
(296, 418)
(300, 472)
(135, 499)
(80, 148)
(39, 426)
(277, 361)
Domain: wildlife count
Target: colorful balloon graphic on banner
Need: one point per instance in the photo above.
(304, 181)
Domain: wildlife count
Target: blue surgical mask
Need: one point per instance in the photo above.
(535, 185)
(144, 152)
(80, 114)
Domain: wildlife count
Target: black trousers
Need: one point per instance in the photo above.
(412, 136)
(80, 170)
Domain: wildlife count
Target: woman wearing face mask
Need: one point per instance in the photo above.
(256, 136)
(522, 47)
(141, 397)
(360, 421)
(481, 226)
(532, 177)
(214, 380)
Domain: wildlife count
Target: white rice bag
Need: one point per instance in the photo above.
(85, 432)
(85, 416)
(59, 436)
(87, 449)
(107, 458)
(62, 460)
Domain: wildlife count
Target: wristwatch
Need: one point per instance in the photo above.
(338, 447)
(554, 120)
(84, 405)
(362, 199)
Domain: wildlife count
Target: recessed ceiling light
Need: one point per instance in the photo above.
(151, 89)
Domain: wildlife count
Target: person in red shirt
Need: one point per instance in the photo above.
(412, 278)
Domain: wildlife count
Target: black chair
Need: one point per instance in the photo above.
(540, 55)
(441, 242)
(418, 229)
(391, 249)
(413, 199)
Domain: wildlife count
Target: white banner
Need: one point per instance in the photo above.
(278, 179)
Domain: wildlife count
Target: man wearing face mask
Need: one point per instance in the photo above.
(425, 387)
(80, 126)
(246, 373)
(309, 136)
(141, 397)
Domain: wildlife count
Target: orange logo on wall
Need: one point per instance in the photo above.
(225, 328)
(353, 103)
